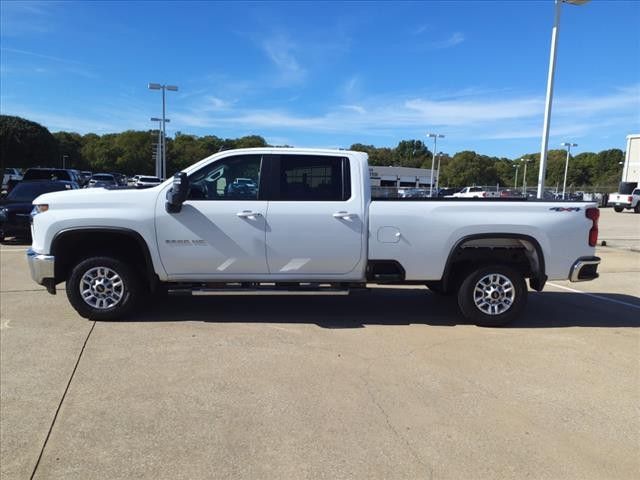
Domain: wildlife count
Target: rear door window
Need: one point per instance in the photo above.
(312, 178)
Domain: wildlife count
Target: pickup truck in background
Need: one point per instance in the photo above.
(285, 221)
(630, 200)
(474, 192)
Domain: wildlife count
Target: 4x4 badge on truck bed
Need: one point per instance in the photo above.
(565, 209)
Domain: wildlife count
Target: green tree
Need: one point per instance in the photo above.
(25, 144)
(70, 146)
(469, 168)
(412, 153)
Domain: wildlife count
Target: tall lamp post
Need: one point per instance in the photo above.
(549, 99)
(438, 176)
(171, 88)
(161, 143)
(517, 167)
(566, 164)
(524, 177)
(435, 137)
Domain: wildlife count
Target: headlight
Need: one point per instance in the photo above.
(40, 208)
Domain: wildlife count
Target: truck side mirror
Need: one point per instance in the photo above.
(178, 193)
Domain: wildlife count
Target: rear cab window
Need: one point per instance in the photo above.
(310, 178)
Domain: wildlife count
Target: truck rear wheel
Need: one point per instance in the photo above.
(103, 288)
(618, 209)
(493, 295)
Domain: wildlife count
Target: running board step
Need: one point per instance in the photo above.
(202, 292)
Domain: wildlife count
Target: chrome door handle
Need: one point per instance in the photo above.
(343, 215)
(248, 214)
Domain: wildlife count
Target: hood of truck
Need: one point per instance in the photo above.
(91, 197)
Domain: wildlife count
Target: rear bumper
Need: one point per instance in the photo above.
(42, 268)
(620, 204)
(584, 269)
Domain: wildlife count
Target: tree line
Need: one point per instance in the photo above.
(25, 144)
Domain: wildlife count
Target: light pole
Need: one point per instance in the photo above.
(524, 178)
(566, 164)
(438, 176)
(161, 143)
(517, 167)
(64, 161)
(171, 88)
(435, 137)
(549, 99)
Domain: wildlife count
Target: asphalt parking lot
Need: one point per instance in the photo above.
(386, 384)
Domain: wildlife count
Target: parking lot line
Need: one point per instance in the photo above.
(606, 299)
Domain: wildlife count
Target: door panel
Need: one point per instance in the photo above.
(220, 231)
(210, 239)
(311, 230)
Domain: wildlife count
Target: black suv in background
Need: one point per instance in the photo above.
(52, 174)
(16, 207)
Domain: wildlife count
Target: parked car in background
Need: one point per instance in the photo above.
(621, 201)
(146, 182)
(85, 176)
(509, 193)
(413, 193)
(121, 180)
(445, 192)
(52, 174)
(474, 192)
(133, 180)
(16, 206)
(102, 180)
(10, 177)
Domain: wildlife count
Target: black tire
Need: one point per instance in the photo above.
(636, 209)
(618, 209)
(467, 300)
(129, 292)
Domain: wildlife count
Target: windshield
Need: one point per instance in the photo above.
(102, 178)
(47, 174)
(26, 192)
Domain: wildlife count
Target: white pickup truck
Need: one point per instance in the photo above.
(474, 192)
(304, 224)
(630, 201)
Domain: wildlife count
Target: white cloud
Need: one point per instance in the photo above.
(456, 38)
(281, 51)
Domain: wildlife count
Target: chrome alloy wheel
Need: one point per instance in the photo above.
(101, 288)
(494, 294)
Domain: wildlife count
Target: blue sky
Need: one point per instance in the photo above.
(328, 74)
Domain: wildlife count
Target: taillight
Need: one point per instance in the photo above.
(630, 199)
(593, 214)
(484, 194)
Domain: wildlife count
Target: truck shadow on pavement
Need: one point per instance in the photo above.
(388, 306)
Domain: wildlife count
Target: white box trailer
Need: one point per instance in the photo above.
(628, 194)
(631, 170)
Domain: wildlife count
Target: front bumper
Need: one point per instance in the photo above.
(585, 268)
(42, 268)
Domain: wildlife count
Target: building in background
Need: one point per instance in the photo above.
(398, 177)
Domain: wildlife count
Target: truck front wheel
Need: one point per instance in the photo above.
(103, 288)
(492, 296)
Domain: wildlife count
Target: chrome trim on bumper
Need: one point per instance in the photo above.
(41, 266)
(577, 267)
